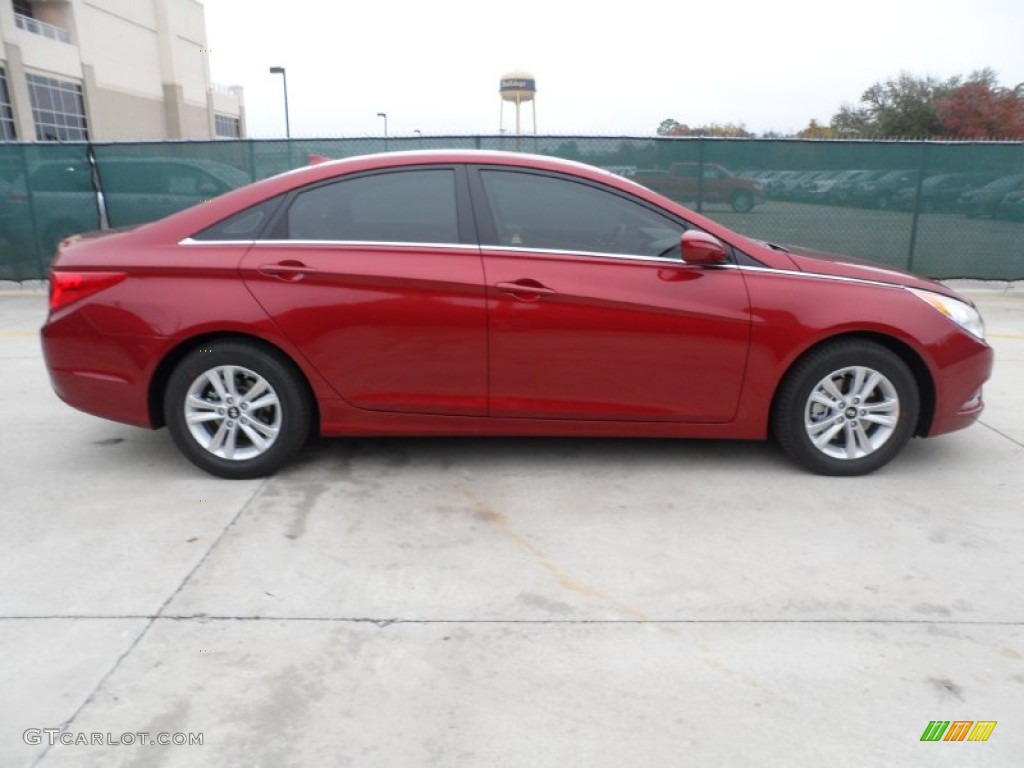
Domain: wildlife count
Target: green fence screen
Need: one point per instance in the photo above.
(941, 209)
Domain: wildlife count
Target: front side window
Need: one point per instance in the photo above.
(126, 178)
(57, 109)
(547, 212)
(399, 207)
(188, 181)
(69, 176)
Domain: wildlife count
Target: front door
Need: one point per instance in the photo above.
(592, 313)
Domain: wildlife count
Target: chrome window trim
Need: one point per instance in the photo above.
(333, 243)
(454, 246)
(588, 254)
(816, 276)
(188, 241)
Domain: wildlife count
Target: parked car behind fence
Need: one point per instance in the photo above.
(985, 201)
(60, 198)
(939, 192)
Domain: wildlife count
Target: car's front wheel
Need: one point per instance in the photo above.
(237, 409)
(846, 408)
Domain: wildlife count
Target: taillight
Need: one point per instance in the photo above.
(66, 287)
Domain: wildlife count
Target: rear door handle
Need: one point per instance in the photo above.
(289, 270)
(525, 290)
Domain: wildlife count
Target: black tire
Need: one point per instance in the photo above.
(742, 202)
(875, 444)
(281, 420)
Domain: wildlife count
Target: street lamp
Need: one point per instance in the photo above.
(384, 115)
(284, 78)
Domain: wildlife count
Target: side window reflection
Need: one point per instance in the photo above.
(550, 213)
(401, 207)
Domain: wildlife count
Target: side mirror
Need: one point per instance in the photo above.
(701, 248)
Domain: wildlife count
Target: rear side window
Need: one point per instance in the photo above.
(399, 207)
(244, 225)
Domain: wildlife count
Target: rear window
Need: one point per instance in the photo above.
(244, 225)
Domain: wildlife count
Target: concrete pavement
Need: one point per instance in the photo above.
(462, 602)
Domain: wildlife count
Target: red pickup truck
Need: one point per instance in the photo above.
(681, 182)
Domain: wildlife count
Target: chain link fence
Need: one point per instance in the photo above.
(941, 209)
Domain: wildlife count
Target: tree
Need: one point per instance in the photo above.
(852, 122)
(981, 110)
(905, 106)
(670, 127)
(816, 131)
(911, 106)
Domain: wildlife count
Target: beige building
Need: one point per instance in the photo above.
(110, 70)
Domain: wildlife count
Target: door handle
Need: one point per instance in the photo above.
(525, 290)
(289, 270)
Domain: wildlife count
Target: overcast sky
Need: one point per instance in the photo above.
(613, 68)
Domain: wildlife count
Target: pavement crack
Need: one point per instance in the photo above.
(1001, 434)
(151, 620)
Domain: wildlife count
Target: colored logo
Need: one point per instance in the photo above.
(958, 730)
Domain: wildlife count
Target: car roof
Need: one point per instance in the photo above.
(324, 170)
(426, 156)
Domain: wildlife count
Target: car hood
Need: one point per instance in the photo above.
(836, 265)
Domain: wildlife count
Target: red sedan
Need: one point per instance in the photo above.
(473, 293)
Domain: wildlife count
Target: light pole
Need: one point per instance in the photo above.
(284, 78)
(385, 116)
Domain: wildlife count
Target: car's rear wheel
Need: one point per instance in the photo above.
(847, 408)
(742, 202)
(236, 409)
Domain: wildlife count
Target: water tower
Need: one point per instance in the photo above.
(519, 88)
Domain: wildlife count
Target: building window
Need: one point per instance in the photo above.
(57, 109)
(7, 132)
(24, 7)
(228, 127)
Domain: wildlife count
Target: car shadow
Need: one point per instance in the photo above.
(545, 453)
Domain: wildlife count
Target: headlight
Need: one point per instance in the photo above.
(960, 312)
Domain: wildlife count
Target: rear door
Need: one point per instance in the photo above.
(377, 278)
